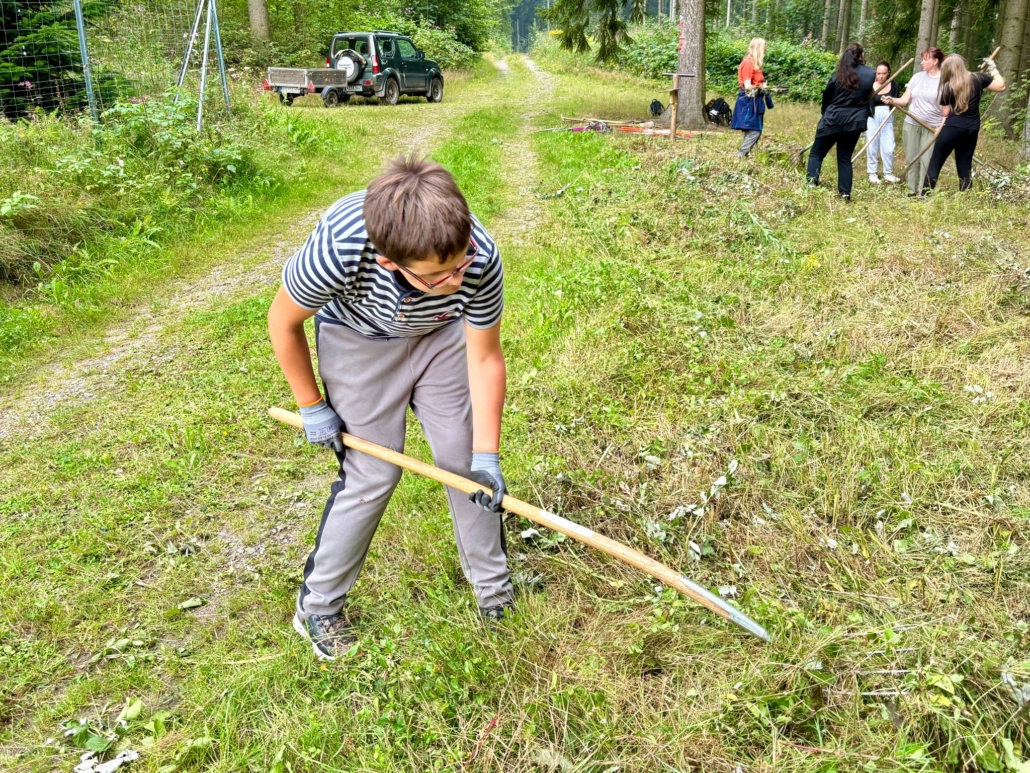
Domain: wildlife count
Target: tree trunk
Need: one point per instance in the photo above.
(955, 32)
(729, 6)
(861, 20)
(1024, 148)
(1011, 42)
(843, 26)
(926, 23)
(1024, 59)
(935, 27)
(999, 23)
(824, 37)
(969, 36)
(691, 111)
(259, 26)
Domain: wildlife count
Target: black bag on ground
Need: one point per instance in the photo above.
(718, 112)
(656, 108)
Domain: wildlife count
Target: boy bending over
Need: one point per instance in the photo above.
(406, 288)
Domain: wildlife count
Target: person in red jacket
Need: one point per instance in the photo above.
(747, 117)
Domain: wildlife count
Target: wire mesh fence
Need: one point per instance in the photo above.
(135, 50)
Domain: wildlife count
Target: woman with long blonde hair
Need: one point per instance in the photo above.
(752, 100)
(959, 95)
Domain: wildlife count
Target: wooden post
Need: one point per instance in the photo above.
(674, 99)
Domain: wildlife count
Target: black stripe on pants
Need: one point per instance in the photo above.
(963, 142)
(846, 142)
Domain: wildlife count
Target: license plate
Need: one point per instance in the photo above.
(291, 91)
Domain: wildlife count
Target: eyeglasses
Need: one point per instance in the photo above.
(465, 264)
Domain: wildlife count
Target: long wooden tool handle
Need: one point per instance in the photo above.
(919, 155)
(870, 140)
(879, 92)
(554, 522)
(897, 72)
(992, 55)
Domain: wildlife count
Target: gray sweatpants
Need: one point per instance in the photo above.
(915, 138)
(370, 383)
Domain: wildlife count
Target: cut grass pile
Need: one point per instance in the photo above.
(819, 409)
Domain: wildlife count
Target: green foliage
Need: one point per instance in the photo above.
(803, 69)
(443, 47)
(606, 20)
(76, 189)
(302, 30)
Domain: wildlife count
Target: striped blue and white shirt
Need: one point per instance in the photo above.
(336, 272)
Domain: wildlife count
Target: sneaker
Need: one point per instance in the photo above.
(891, 178)
(498, 613)
(874, 179)
(330, 635)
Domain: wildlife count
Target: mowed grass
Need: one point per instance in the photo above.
(735, 374)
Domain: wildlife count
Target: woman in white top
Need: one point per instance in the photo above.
(921, 96)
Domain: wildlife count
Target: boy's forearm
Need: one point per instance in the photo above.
(487, 384)
(290, 345)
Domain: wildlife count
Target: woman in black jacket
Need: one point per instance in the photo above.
(846, 109)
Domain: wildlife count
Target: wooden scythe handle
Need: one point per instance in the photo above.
(925, 125)
(875, 133)
(554, 522)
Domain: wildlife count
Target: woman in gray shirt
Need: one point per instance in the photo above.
(921, 96)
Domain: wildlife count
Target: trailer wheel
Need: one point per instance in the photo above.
(330, 96)
(286, 99)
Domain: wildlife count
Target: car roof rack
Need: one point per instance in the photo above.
(386, 32)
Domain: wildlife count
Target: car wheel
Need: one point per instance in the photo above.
(331, 97)
(392, 93)
(286, 99)
(435, 91)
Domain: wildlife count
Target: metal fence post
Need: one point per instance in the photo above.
(86, 73)
(203, 66)
(189, 51)
(221, 59)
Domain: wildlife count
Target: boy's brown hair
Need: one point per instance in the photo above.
(414, 211)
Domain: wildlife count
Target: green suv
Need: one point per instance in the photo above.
(382, 64)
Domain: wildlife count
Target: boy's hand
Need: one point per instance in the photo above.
(322, 425)
(486, 470)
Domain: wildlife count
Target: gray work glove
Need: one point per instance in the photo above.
(323, 426)
(486, 471)
(989, 67)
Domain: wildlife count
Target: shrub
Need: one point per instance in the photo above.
(804, 70)
(445, 48)
(78, 195)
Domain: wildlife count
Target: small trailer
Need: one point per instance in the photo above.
(292, 82)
